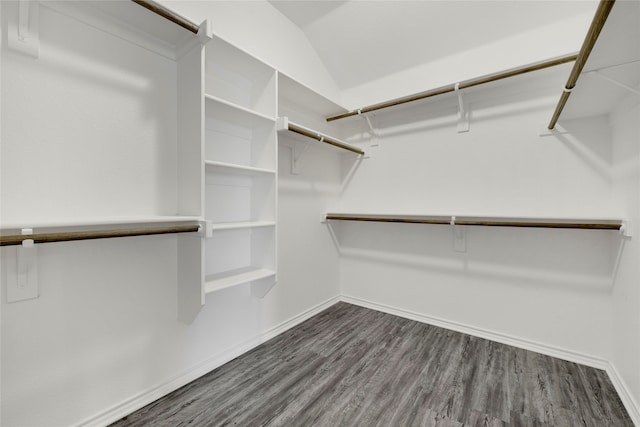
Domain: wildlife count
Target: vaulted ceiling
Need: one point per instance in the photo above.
(367, 40)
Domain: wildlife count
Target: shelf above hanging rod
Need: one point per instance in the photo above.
(168, 14)
(590, 224)
(604, 7)
(461, 85)
(68, 236)
(285, 124)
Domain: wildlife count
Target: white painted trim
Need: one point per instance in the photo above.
(139, 401)
(633, 408)
(549, 350)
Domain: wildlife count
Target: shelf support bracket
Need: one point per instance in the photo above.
(22, 274)
(23, 36)
(374, 143)
(463, 114)
(626, 229)
(296, 154)
(372, 131)
(459, 236)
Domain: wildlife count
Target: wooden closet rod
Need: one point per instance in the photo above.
(461, 85)
(168, 14)
(322, 138)
(598, 22)
(89, 235)
(593, 225)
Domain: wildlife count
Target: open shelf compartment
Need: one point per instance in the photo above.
(238, 137)
(236, 198)
(237, 256)
(237, 77)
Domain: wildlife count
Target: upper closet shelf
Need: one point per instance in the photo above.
(572, 223)
(284, 124)
(608, 65)
(95, 222)
(454, 87)
(142, 22)
(300, 98)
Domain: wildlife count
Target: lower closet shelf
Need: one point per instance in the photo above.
(228, 279)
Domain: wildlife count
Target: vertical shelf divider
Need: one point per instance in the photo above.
(190, 248)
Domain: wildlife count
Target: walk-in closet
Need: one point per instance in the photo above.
(320, 213)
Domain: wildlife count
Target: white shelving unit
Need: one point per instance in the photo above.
(240, 185)
(212, 104)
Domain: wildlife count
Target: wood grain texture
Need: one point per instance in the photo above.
(352, 366)
(69, 236)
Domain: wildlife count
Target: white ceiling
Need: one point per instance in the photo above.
(360, 41)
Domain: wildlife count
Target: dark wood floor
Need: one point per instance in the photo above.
(351, 366)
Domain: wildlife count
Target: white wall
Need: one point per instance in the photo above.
(626, 293)
(78, 139)
(260, 29)
(550, 287)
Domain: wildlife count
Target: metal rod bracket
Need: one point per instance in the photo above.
(459, 236)
(372, 131)
(22, 274)
(296, 153)
(463, 114)
(626, 229)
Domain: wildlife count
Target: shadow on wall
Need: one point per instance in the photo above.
(579, 259)
(580, 137)
(95, 96)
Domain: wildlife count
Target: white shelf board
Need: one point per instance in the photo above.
(98, 221)
(129, 21)
(241, 225)
(234, 113)
(235, 169)
(616, 54)
(216, 282)
(300, 94)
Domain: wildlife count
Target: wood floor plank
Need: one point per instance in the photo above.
(351, 366)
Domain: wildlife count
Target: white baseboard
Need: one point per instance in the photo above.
(572, 356)
(560, 353)
(139, 401)
(627, 398)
